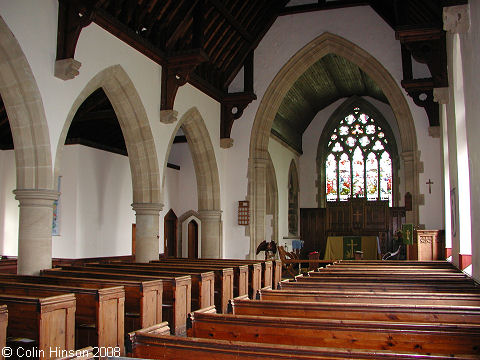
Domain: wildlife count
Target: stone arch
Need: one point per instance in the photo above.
(325, 44)
(204, 160)
(24, 106)
(208, 181)
(135, 128)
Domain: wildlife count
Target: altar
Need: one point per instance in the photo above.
(344, 247)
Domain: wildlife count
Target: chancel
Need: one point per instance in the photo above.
(155, 155)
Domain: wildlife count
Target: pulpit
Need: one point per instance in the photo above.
(428, 245)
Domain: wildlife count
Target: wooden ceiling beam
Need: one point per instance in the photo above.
(129, 36)
(179, 139)
(100, 115)
(73, 16)
(181, 25)
(232, 20)
(321, 5)
(232, 71)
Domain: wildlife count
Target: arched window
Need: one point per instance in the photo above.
(358, 159)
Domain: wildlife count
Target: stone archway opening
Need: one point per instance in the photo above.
(258, 155)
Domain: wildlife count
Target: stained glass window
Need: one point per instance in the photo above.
(344, 177)
(358, 174)
(358, 163)
(386, 178)
(331, 177)
(372, 177)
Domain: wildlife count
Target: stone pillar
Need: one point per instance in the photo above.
(411, 165)
(258, 203)
(146, 231)
(212, 244)
(35, 230)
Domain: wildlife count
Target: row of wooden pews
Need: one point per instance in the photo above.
(380, 310)
(40, 322)
(96, 303)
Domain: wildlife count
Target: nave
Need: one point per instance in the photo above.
(177, 308)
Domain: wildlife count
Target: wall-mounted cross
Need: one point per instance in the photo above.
(357, 214)
(429, 183)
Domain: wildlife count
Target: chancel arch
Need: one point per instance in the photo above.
(323, 45)
(33, 160)
(139, 143)
(208, 182)
(357, 137)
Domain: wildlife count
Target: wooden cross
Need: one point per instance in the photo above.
(429, 183)
(352, 244)
(356, 215)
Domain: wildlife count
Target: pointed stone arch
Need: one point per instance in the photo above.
(33, 159)
(142, 154)
(208, 180)
(24, 106)
(307, 56)
(135, 126)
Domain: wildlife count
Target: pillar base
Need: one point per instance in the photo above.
(146, 231)
(35, 230)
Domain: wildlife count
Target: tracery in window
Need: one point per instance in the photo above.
(358, 163)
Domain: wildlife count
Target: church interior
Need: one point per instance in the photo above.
(178, 178)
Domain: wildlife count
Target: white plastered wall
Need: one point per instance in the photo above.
(8, 205)
(470, 48)
(281, 159)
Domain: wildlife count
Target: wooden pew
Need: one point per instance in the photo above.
(391, 274)
(203, 282)
(398, 312)
(240, 277)
(268, 268)
(224, 279)
(49, 321)
(446, 339)
(399, 263)
(365, 297)
(99, 314)
(86, 353)
(148, 343)
(315, 283)
(3, 327)
(143, 299)
(176, 302)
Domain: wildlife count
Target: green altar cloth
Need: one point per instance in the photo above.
(344, 247)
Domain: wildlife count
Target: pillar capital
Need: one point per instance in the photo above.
(440, 95)
(456, 19)
(38, 197)
(147, 208)
(210, 215)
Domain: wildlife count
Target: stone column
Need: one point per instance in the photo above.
(258, 203)
(411, 166)
(212, 244)
(146, 231)
(35, 230)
